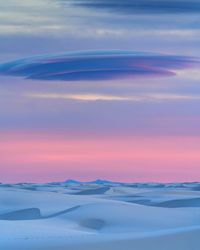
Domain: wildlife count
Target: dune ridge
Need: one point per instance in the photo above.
(95, 216)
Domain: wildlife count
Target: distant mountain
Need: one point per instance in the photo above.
(102, 182)
(97, 182)
(192, 185)
(70, 181)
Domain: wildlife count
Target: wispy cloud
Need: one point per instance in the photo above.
(96, 65)
(79, 97)
(93, 97)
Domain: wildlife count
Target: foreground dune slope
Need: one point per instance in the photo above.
(95, 221)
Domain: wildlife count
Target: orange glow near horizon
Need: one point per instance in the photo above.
(45, 157)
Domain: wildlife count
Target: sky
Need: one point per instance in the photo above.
(99, 89)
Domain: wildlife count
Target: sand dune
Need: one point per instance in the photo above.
(94, 191)
(194, 202)
(187, 239)
(92, 223)
(24, 214)
(32, 214)
(101, 219)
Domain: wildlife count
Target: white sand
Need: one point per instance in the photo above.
(38, 219)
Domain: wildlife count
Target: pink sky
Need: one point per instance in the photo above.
(106, 75)
(44, 157)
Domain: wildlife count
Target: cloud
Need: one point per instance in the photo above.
(94, 97)
(191, 74)
(141, 6)
(96, 65)
(78, 97)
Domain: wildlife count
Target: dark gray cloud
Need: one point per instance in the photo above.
(96, 65)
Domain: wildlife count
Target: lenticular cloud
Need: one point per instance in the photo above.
(96, 65)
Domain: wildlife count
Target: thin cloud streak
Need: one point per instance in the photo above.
(94, 97)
